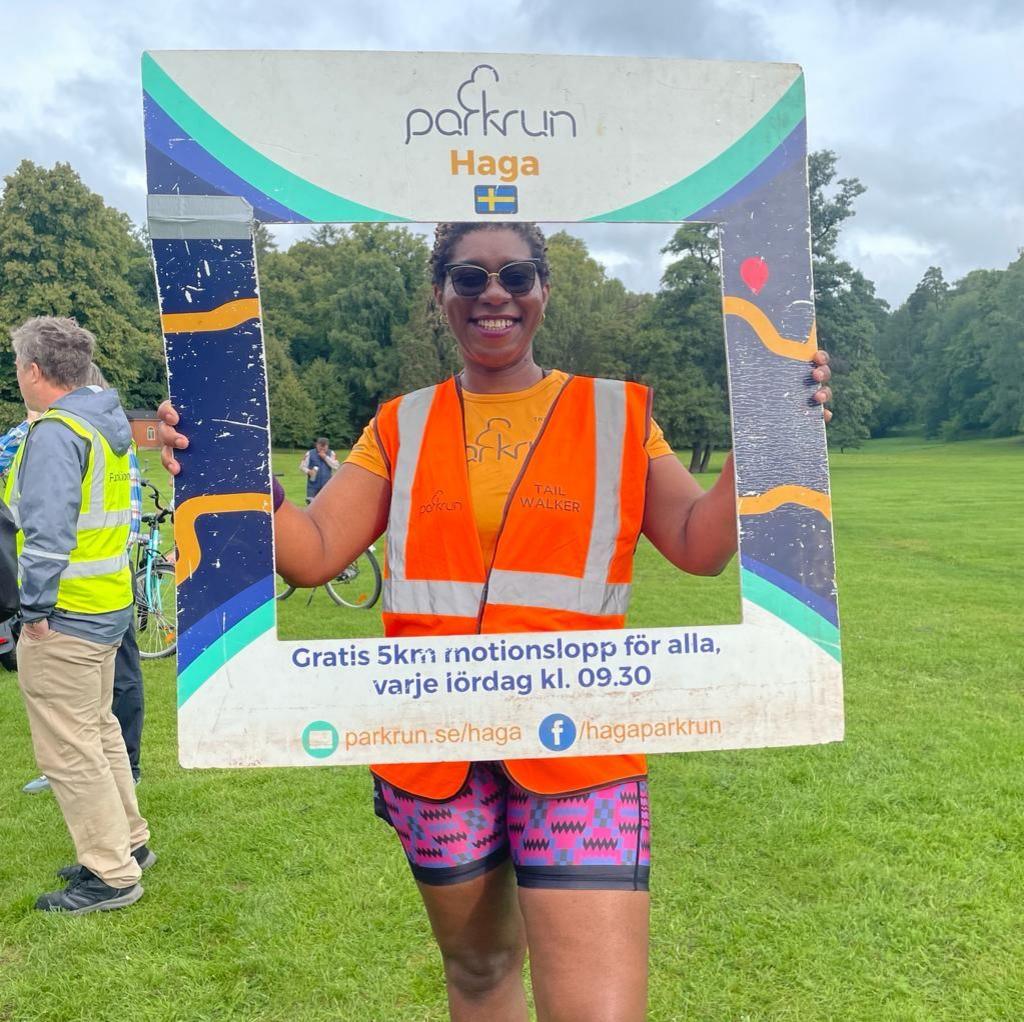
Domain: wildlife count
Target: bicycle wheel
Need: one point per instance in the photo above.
(156, 612)
(358, 586)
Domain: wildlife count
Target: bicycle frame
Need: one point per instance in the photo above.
(152, 556)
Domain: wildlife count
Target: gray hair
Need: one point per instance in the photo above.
(96, 377)
(60, 347)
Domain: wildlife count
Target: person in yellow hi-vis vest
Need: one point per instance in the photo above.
(70, 491)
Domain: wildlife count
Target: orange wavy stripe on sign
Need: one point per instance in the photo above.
(189, 551)
(766, 332)
(762, 503)
(222, 318)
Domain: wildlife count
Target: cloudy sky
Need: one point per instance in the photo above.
(921, 99)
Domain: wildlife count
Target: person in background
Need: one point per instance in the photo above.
(69, 489)
(129, 699)
(319, 464)
(13, 439)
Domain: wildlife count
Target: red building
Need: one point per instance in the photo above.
(143, 425)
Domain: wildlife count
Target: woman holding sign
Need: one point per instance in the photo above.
(513, 498)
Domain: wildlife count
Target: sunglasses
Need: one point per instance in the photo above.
(469, 281)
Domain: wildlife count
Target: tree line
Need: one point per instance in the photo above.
(349, 319)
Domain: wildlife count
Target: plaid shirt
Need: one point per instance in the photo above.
(135, 474)
(9, 444)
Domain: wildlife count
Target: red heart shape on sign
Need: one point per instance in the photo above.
(754, 272)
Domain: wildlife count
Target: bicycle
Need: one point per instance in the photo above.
(358, 586)
(156, 616)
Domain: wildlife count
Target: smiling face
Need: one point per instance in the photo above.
(495, 330)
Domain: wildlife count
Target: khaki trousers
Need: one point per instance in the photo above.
(68, 686)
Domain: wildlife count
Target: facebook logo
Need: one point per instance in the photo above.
(557, 732)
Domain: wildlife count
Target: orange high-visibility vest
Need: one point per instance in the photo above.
(559, 564)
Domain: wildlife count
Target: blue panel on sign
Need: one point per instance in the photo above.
(201, 275)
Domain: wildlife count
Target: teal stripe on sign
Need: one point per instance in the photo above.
(796, 614)
(260, 171)
(727, 169)
(233, 641)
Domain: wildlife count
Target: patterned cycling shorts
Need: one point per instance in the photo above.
(599, 840)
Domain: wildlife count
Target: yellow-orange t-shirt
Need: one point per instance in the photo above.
(500, 428)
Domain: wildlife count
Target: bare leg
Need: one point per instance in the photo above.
(588, 954)
(479, 929)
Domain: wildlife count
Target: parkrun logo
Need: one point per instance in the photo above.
(438, 503)
(557, 732)
(476, 115)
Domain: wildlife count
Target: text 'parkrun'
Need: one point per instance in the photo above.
(507, 667)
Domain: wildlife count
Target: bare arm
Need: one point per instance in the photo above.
(315, 543)
(694, 530)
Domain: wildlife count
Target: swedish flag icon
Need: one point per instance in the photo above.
(496, 198)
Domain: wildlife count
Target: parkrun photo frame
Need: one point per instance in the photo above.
(235, 139)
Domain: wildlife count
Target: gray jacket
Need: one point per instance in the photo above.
(50, 478)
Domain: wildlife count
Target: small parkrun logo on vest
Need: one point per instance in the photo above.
(320, 739)
(557, 732)
(438, 503)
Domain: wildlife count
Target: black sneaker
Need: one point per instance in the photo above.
(87, 893)
(143, 855)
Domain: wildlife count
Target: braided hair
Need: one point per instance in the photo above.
(447, 236)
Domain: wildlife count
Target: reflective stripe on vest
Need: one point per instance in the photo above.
(512, 588)
(104, 519)
(610, 408)
(97, 578)
(557, 592)
(424, 596)
(90, 569)
(412, 421)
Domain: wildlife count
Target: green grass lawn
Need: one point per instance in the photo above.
(877, 879)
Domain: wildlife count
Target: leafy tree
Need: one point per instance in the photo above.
(1004, 353)
(831, 202)
(344, 296)
(849, 315)
(691, 411)
(325, 387)
(900, 344)
(64, 253)
(682, 346)
(425, 349)
(961, 351)
(293, 414)
(955, 385)
(11, 413)
(263, 242)
(586, 326)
